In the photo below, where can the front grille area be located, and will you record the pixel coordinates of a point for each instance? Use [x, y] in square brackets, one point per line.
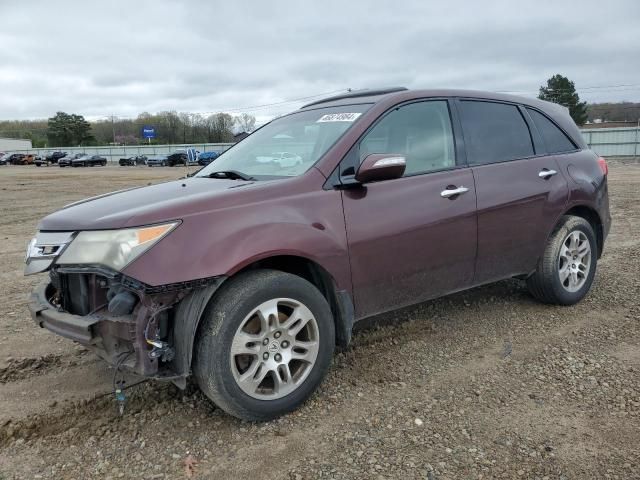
[81, 293]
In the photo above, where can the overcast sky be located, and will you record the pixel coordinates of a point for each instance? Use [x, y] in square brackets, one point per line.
[123, 57]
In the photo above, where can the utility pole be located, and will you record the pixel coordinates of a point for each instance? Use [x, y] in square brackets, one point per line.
[113, 128]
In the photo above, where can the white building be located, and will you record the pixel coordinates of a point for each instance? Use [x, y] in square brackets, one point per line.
[10, 144]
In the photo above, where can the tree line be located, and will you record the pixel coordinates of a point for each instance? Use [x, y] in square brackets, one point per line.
[67, 130]
[614, 112]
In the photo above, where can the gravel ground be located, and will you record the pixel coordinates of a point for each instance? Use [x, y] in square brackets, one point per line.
[482, 384]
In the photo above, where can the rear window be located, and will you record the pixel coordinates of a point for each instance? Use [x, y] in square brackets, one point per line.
[494, 132]
[555, 139]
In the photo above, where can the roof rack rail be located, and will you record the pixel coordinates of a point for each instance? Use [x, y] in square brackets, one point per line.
[357, 93]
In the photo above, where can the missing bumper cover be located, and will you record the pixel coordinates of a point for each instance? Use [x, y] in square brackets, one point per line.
[112, 318]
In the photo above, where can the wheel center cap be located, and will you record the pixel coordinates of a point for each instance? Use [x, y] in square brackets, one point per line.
[274, 347]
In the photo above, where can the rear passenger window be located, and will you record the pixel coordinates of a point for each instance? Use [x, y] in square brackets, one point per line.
[494, 132]
[554, 138]
[419, 131]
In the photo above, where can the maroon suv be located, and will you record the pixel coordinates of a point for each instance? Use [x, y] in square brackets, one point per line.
[249, 273]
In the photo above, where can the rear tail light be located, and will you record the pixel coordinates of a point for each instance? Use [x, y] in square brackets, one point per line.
[603, 166]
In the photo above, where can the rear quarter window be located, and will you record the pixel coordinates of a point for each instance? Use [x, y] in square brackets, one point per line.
[494, 132]
[555, 139]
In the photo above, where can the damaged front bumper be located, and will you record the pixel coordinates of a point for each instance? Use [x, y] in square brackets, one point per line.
[50, 317]
[151, 335]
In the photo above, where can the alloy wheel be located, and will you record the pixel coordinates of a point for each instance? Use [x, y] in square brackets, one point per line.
[574, 261]
[274, 349]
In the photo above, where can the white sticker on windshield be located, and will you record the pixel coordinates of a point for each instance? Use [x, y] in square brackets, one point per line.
[339, 117]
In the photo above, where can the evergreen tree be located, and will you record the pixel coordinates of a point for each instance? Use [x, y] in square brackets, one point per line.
[66, 130]
[561, 90]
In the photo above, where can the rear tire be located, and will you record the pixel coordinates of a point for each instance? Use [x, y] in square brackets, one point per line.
[567, 268]
[257, 365]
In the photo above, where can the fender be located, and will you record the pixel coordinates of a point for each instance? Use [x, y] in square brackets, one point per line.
[246, 246]
[185, 325]
[219, 242]
[189, 312]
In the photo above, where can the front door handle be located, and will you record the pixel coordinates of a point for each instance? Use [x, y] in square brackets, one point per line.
[545, 173]
[451, 192]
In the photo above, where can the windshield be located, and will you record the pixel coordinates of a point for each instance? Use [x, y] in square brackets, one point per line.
[288, 146]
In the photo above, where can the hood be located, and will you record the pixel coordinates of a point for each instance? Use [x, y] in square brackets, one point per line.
[144, 205]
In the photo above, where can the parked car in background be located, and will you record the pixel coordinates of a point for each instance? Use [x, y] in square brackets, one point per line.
[53, 157]
[67, 159]
[39, 160]
[158, 161]
[16, 159]
[284, 159]
[179, 157]
[89, 161]
[3, 160]
[206, 158]
[28, 159]
[248, 274]
[10, 158]
[133, 161]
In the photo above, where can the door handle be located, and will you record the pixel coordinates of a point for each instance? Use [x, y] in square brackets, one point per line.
[453, 192]
[544, 173]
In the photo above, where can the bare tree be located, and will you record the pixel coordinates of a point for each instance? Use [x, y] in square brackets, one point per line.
[245, 122]
[222, 127]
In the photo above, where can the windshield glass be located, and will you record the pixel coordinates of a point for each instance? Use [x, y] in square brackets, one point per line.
[288, 146]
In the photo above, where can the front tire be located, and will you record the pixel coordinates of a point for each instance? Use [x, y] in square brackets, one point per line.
[568, 266]
[264, 344]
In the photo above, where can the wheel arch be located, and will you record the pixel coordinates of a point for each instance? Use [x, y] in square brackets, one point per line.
[591, 216]
[339, 301]
[189, 311]
[587, 212]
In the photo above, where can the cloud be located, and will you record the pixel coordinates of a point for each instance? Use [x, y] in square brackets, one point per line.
[121, 58]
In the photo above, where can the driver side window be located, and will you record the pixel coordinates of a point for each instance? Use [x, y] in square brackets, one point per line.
[420, 131]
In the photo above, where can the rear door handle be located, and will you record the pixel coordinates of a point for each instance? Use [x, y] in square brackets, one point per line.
[545, 173]
[451, 192]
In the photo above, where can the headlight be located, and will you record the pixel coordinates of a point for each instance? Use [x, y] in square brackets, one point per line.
[113, 248]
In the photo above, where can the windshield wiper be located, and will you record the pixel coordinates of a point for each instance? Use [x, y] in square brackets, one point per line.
[232, 174]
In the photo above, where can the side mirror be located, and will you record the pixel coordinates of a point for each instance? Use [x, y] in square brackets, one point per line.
[381, 166]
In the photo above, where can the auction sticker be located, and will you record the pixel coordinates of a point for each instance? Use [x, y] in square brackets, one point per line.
[338, 117]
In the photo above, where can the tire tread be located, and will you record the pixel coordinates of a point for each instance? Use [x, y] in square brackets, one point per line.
[234, 292]
[541, 284]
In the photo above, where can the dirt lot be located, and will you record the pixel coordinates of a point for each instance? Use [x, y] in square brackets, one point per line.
[483, 384]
